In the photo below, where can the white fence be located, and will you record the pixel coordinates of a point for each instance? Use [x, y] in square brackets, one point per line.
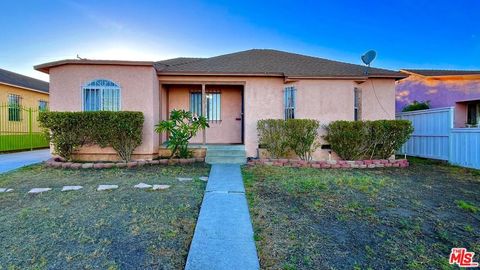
[434, 137]
[465, 147]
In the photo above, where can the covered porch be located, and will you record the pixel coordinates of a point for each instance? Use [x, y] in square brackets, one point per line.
[222, 103]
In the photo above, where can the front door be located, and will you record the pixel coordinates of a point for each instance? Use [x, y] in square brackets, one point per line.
[224, 112]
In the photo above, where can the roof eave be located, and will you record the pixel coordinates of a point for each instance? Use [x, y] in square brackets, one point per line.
[292, 77]
[26, 88]
[446, 76]
[47, 66]
[234, 74]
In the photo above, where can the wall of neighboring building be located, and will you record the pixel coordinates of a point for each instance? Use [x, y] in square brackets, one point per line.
[16, 125]
[139, 92]
[440, 92]
[30, 98]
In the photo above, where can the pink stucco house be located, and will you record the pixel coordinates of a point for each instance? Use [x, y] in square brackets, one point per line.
[443, 88]
[239, 89]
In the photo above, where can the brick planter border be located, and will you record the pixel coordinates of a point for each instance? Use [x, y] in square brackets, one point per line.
[59, 163]
[332, 164]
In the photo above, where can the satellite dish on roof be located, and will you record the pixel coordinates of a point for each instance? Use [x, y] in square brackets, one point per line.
[368, 57]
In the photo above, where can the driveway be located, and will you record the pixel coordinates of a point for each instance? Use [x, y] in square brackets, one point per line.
[9, 162]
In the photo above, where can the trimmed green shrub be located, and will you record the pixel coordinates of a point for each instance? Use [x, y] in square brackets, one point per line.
[124, 133]
[68, 131]
[415, 106]
[302, 137]
[64, 130]
[181, 127]
[272, 135]
[280, 136]
[388, 136]
[367, 139]
[347, 139]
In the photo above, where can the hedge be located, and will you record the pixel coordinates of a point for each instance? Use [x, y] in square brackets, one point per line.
[68, 131]
[272, 136]
[302, 137]
[355, 140]
[280, 136]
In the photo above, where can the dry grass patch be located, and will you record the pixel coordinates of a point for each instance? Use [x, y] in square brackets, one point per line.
[87, 229]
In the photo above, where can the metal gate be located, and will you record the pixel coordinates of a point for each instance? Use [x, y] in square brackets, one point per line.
[19, 128]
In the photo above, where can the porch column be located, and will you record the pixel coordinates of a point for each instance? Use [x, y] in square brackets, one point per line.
[204, 112]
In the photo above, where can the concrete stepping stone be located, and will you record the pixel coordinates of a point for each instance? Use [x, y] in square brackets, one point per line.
[38, 190]
[184, 179]
[71, 188]
[203, 178]
[4, 190]
[106, 187]
[142, 186]
[160, 187]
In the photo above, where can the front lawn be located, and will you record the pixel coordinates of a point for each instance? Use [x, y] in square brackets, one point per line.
[363, 219]
[125, 228]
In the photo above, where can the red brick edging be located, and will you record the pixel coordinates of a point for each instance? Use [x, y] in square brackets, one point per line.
[59, 163]
[332, 164]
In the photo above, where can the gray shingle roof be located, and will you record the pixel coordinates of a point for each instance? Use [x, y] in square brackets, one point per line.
[161, 65]
[270, 62]
[20, 80]
[440, 72]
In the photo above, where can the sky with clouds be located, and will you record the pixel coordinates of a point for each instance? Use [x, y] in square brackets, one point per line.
[405, 33]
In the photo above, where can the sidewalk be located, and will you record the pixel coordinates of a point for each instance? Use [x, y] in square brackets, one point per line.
[223, 236]
[12, 161]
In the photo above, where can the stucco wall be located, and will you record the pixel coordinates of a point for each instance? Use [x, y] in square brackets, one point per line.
[331, 100]
[324, 100]
[139, 92]
[440, 92]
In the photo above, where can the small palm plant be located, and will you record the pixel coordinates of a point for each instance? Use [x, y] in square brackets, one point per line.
[181, 127]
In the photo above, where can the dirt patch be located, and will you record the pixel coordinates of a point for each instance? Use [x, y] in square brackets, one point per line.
[379, 219]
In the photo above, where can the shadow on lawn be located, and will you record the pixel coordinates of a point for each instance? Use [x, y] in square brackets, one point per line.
[124, 228]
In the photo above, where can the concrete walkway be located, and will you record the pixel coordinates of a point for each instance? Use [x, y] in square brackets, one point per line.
[9, 162]
[223, 236]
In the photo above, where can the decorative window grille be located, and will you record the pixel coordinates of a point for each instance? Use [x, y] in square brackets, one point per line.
[289, 102]
[213, 104]
[14, 107]
[42, 105]
[357, 104]
[101, 95]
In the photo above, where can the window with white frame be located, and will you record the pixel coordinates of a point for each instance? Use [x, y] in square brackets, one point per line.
[213, 100]
[357, 104]
[42, 105]
[289, 102]
[101, 95]
[14, 107]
